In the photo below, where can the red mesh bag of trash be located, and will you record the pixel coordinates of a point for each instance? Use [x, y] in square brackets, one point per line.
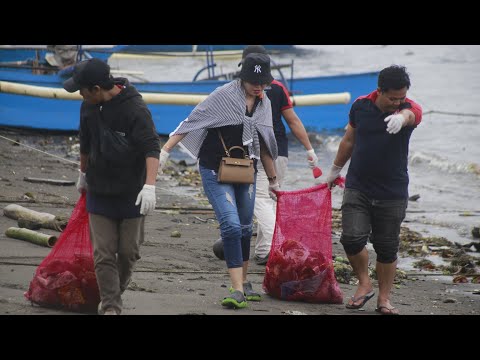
[66, 277]
[300, 266]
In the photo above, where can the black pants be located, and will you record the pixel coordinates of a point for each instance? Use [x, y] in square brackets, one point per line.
[379, 220]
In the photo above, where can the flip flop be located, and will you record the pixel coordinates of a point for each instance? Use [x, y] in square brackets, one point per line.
[387, 311]
[364, 299]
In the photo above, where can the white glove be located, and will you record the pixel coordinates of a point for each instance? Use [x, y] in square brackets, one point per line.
[273, 187]
[312, 158]
[333, 174]
[395, 123]
[82, 182]
[164, 155]
[147, 198]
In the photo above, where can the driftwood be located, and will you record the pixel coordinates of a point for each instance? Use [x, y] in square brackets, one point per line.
[31, 236]
[47, 221]
[49, 181]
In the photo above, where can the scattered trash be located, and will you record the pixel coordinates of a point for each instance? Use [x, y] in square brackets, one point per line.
[293, 312]
[460, 279]
[29, 196]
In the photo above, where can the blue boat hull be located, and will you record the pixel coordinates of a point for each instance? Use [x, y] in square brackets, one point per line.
[55, 114]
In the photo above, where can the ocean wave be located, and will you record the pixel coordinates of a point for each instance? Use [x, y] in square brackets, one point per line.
[437, 162]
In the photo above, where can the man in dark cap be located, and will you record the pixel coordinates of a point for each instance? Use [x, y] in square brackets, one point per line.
[264, 207]
[119, 152]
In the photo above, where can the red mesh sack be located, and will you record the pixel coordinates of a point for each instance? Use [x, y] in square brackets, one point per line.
[300, 264]
[66, 277]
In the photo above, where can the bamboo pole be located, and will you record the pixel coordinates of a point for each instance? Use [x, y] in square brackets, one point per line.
[31, 236]
[221, 54]
[164, 98]
[321, 99]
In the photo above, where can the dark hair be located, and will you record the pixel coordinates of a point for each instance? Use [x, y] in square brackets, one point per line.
[105, 85]
[393, 77]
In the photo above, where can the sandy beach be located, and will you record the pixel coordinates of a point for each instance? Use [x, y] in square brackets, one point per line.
[176, 275]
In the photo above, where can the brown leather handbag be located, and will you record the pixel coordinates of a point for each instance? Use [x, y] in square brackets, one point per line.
[235, 170]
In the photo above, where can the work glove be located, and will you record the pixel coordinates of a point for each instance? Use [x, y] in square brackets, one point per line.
[82, 182]
[312, 159]
[271, 188]
[164, 155]
[147, 199]
[333, 174]
[395, 123]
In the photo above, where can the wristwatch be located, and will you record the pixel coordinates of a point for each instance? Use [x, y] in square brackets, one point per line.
[272, 179]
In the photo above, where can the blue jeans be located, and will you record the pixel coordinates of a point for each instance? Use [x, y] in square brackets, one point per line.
[233, 205]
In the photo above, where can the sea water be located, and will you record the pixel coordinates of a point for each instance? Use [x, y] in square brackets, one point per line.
[444, 159]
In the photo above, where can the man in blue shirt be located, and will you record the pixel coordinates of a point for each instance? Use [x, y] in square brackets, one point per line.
[376, 189]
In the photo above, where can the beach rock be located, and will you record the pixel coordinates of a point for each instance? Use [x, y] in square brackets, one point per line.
[414, 197]
[476, 232]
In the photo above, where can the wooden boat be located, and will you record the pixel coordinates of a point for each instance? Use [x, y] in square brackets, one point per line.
[12, 53]
[37, 112]
[24, 110]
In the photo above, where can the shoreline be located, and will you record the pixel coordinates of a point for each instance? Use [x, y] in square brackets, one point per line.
[178, 275]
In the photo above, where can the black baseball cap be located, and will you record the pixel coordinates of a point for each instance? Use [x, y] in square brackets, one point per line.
[250, 49]
[256, 69]
[88, 73]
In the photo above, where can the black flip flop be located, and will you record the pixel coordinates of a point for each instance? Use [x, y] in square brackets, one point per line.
[390, 312]
[364, 299]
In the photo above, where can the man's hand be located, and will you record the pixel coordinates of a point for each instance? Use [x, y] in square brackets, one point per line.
[333, 174]
[271, 188]
[82, 182]
[164, 155]
[312, 158]
[147, 199]
[395, 123]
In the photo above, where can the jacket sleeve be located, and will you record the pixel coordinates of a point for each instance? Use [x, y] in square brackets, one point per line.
[84, 132]
[144, 135]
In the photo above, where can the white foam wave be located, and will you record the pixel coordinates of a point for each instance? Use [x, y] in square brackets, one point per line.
[438, 162]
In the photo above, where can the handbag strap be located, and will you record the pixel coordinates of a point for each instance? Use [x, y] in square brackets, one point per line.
[227, 151]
